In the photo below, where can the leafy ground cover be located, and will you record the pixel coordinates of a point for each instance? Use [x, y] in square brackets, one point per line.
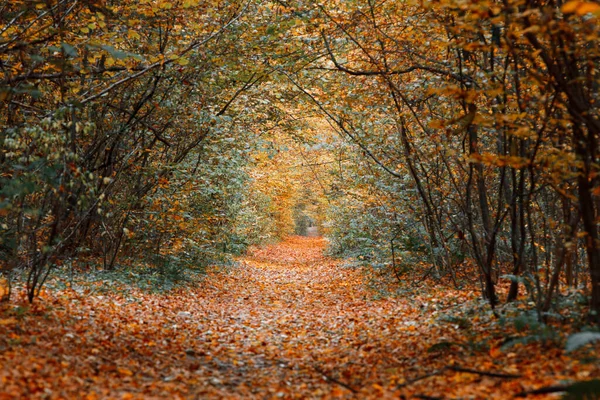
[286, 322]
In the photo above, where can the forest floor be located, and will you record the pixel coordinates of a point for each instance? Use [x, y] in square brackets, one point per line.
[286, 322]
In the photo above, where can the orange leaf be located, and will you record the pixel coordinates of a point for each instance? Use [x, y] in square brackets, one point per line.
[495, 352]
[570, 7]
[588, 7]
[8, 321]
[125, 371]
[580, 7]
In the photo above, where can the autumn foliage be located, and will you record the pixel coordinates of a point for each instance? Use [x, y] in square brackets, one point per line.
[286, 322]
[447, 151]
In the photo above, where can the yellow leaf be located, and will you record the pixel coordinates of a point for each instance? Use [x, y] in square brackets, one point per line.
[463, 377]
[190, 3]
[4, 94]
[3, 286]
[436, 124]
[133, 35]
[91, 396]
[182, 61]
[8, 321]
[580, 7]
[125, 371]
[531, 29]
[588, 7]
[570, 7]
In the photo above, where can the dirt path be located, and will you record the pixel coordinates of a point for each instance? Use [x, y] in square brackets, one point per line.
[287, 322]
[302, 319]
[294, 324]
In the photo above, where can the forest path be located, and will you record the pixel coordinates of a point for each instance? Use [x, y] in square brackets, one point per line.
[286, 322]
[300, 325]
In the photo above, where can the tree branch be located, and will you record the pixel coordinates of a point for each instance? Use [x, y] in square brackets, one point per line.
[416, 67]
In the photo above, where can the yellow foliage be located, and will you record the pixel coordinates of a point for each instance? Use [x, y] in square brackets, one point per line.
[580, 7]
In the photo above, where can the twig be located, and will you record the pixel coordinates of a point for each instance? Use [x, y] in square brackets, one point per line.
[459, 369]
[581, 389]
[420, 378]
[172, 58]
[484, 373]
[332, 379]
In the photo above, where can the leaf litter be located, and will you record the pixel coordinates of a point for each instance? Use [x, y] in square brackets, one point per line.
[286, 322]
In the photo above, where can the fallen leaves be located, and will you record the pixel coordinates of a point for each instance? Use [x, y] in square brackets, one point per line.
[580, 7]
[287, 322]
[4, 289]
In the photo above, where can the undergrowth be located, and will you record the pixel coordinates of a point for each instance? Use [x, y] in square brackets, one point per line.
[158, 274]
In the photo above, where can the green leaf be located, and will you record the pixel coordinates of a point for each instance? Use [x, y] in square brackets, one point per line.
[114, 53]
[444, 345]
[118, 54]
[68, 49]
[513, 278]
[37, 57]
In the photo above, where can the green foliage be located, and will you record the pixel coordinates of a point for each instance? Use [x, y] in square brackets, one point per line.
[461, 322]
[532, 330]
[445, 345]
[115, 143]
[253, 225]
[358, 231]
[163, 275]
[169, 272]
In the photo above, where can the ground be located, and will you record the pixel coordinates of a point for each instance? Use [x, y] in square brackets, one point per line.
[285, 322]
